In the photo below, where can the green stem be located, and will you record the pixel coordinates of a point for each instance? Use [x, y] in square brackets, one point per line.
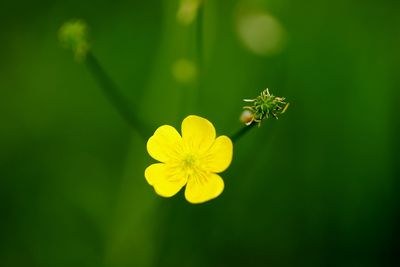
[115, 97]
[236, 136]
[199, 36]
[191, 95]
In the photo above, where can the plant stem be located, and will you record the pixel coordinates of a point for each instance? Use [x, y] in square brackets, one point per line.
[236, 136]
[124, 107]
[199, 36]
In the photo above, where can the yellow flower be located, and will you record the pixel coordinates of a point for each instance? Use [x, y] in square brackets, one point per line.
[193, 159]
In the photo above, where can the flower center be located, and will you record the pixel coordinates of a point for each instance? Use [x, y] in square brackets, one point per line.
[189, 161]
[191, 164]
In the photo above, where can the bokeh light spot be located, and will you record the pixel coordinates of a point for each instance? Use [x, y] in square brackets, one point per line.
[261, 33]
[184, 70]
[187, 11]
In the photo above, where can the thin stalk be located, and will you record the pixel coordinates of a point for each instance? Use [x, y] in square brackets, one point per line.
[199, 36]
[124, 107]
[199, 58]
[241, 132]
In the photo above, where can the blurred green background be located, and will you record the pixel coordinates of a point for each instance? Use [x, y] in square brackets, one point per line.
[319, 187]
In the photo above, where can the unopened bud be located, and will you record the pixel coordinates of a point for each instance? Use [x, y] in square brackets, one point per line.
[263, 107]
[247, 117]
[74, 35]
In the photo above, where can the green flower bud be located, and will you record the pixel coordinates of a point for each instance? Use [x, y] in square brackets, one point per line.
[74, 35]
[263, 107]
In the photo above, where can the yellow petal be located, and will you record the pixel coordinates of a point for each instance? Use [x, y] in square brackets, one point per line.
[198, 133]
[165, 144]
[167, 181]
[219, 156]
[203, 187]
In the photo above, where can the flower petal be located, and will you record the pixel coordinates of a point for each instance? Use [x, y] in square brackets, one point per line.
[197, 133]
[219, 156]
[204, 187]
[165, 144]
[166, 181]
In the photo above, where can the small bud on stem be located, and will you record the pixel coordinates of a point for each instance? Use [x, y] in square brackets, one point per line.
[74, 35]
[263, 107]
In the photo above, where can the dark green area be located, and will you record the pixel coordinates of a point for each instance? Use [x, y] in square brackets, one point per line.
[318, 187]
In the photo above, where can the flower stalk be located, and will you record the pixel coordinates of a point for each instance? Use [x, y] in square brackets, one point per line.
[199, 35]
[124, 107]
[73, 35]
